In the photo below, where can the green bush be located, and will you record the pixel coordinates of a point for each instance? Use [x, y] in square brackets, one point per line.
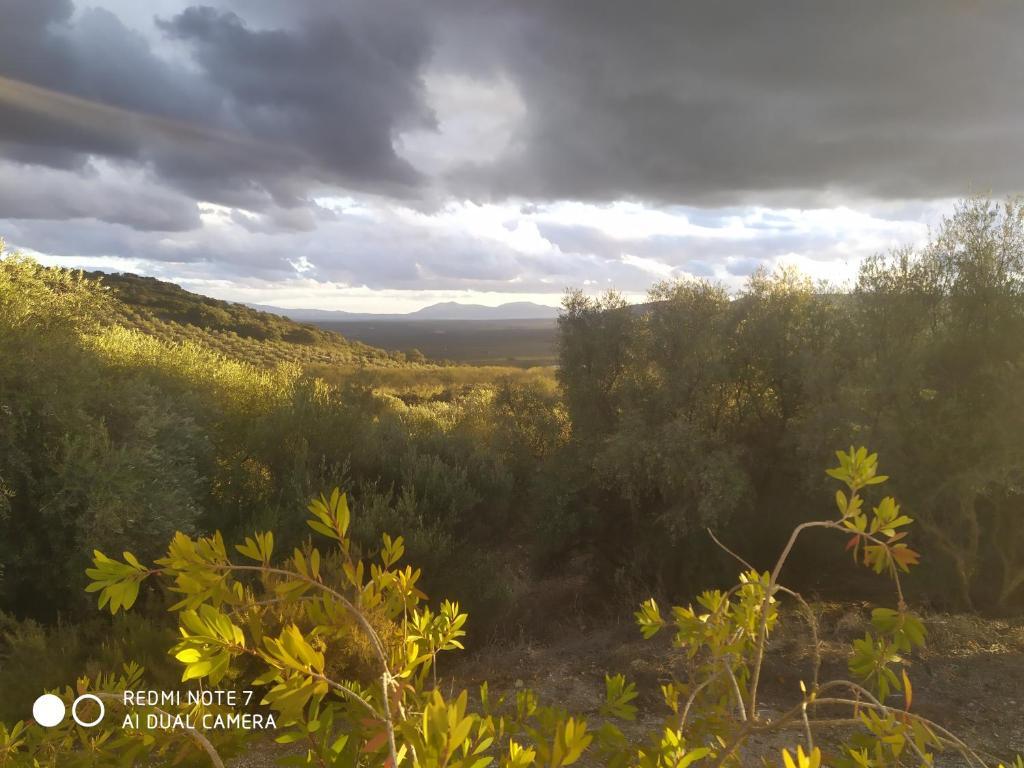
[700, 408]
[294, 614]
[115, 438]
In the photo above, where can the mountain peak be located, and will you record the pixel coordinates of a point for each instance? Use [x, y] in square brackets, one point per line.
[515, 310]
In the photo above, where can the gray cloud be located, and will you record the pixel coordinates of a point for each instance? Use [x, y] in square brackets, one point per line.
[85, 85]
[109, 193]
[257, 117]
[338, 88]
[709, 103]
[719, 103]
[117, 121]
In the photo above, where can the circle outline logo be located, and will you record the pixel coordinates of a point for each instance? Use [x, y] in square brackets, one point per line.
[90, 697]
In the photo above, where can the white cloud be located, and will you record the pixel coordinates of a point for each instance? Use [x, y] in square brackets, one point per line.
[373, 254]
[477, 120]
[654, 267]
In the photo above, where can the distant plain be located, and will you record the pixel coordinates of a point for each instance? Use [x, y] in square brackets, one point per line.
[520, 343]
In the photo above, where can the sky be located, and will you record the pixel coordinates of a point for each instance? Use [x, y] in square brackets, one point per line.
[382, 155]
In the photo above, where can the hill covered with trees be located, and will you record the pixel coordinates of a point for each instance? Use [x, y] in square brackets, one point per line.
[167, 311]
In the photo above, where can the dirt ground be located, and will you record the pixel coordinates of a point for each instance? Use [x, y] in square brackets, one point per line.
[969, 678]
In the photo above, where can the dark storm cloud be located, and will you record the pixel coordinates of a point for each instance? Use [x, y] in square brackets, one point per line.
[259, 117]
[73, 87]
[339, 87]
[721, 102]
[697, 103]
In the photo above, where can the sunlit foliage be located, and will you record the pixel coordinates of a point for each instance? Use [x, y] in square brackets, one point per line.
[274, 622]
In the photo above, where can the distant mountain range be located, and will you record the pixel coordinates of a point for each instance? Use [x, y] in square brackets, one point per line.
[447, 310]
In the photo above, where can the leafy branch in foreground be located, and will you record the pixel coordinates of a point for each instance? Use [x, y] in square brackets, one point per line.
[726, 638]
[279, 624]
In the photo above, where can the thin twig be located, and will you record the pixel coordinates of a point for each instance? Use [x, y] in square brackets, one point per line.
[807, 727]
[728, 551]
[693, 695]
[762, 637]
[262, 603]
[347, 692]
[385, 684]
[735, 688]
[773, 587]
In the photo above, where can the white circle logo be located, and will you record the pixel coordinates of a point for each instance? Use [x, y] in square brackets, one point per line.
[48, 710]
[88, 697]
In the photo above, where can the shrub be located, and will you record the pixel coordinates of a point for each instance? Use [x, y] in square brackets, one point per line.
[278, 623]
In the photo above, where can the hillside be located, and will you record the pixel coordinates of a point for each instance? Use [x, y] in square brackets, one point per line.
[268, 338]
[169, 312]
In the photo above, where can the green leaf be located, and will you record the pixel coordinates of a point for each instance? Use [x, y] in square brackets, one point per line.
[196, 670]
[319, 527]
